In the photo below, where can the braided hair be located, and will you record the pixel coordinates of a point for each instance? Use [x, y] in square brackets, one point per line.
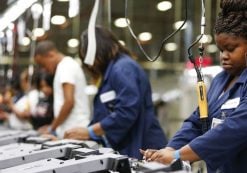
[233, 18]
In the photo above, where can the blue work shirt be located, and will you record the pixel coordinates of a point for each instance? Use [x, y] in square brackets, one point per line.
[223, 148]
[124, 108]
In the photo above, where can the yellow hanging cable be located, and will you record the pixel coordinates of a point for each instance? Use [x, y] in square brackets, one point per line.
[98, 82]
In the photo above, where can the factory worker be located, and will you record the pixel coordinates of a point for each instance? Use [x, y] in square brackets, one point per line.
[123, 112]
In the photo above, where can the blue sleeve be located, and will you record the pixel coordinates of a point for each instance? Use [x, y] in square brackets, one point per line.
[225, 140]
[124, 81]
[190, 129]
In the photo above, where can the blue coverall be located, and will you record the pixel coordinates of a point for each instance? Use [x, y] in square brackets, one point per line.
[223, 148]
[128, 119]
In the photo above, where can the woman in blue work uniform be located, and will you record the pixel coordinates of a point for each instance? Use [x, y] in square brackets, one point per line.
[224, 146]
[123, 110]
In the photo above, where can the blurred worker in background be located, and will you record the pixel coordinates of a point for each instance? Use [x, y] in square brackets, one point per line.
[28, 107]
[123, 112]
[22, 102]
[43, 113]
[71, 106]
[224, 146]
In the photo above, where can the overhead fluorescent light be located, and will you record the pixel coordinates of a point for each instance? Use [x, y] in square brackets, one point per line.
[38, 32]
[58, 20]
[25, 41]
[178, 24]
[73, 43]
[164, 6]
[121, 22]
[74, 6]
[14, 11]
[145, 36]
[206, 39]
[171, 47]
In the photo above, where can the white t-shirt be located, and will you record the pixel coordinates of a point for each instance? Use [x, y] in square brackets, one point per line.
[27, 101]
[69, 71]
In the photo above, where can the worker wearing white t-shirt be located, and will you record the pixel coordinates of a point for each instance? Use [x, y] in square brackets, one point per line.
[71, 106]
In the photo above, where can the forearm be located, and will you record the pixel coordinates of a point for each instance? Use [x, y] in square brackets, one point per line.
[63, 115]
[168, 154]
[187, 154]
[20, 114]
[97, 129]
[81, 133]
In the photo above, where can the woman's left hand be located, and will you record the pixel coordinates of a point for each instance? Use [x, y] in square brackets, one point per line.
[79, 133]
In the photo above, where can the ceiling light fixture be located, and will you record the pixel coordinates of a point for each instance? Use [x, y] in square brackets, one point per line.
[121, 22]
[38, 32]
[145, 36]
[58, 20]
[205, 39]
[178, 24]
[36, 10]
[164, 5]
[171, 47]
[74, 6]
[25, 41]
[73, 43]
[14, 11]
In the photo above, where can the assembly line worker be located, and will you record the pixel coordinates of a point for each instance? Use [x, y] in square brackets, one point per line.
[71, 106]
[123, 109]
[224, 147]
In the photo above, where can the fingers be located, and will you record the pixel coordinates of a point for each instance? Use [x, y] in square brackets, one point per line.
[142, 151]
[147, 154]
[155, 156]
[67, 135]
[51, 137]
[74, 133]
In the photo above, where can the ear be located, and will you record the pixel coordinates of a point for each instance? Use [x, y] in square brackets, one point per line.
[50, 54]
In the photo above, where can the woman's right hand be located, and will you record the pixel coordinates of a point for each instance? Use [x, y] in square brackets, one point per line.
[79, 133]
[163, 155]
[147, 154]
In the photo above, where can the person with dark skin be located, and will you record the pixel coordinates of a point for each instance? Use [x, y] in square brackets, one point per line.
[224, 146]
[123, 116]
[71, 105]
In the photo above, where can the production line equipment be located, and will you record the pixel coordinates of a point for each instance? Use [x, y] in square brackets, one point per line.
[84, 160]
[27, 152]
[33, 150]
[8, 136]
[37, 155]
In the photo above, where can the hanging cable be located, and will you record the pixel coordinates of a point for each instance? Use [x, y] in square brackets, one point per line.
[201, 87]
[163, 41]
[109, 19]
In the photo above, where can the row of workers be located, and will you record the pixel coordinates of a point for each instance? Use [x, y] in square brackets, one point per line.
[123, 114]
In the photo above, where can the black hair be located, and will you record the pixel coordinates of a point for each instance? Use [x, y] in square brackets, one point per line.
[108, 48]
[233, 18]
[44, 47]
[48, 78]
